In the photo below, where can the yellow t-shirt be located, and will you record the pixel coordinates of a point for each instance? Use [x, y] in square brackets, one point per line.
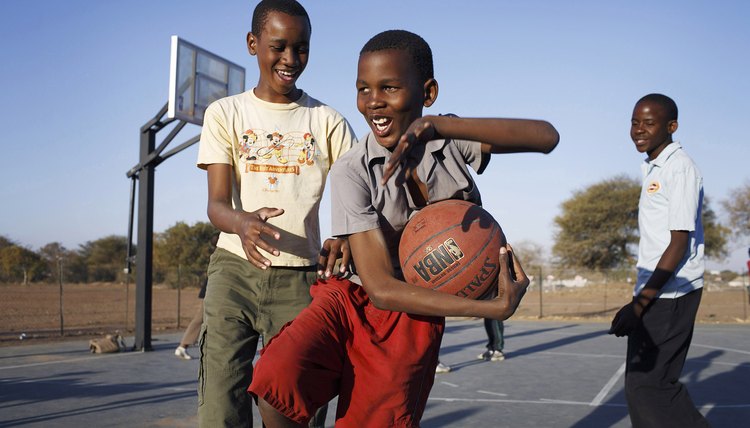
[281, 155]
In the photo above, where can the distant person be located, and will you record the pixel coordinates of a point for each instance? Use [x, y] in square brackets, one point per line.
[495, 341]
[372, 339]
[442, 368]
[191, 332]
[659, 321]
[267, 152]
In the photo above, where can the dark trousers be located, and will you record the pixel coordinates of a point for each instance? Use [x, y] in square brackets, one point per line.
[495, 334]
[657, 349]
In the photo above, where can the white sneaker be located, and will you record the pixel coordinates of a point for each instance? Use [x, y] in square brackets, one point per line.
[491, 355]
[486, 355]
[442, 368]
[181, 352]
[497, 356]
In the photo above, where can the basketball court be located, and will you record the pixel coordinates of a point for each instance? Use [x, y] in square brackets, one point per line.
[557, 374]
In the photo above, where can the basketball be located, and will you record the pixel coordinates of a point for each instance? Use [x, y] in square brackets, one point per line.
[452, 246]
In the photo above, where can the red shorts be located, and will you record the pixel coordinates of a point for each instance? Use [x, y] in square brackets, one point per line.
[381, 364]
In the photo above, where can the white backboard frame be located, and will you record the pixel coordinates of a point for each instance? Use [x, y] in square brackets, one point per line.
[198, 77]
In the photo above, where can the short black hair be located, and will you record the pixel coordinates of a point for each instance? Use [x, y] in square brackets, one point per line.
[668, 104]
[265, 7]
[412, 44]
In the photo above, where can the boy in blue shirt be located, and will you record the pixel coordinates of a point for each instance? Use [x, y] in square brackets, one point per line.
[659, 321]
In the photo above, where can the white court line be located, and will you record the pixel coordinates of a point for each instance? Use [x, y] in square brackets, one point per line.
[69, 360]
[548, 401]
[499, 394]
[608, 386]
[449, 384]
[573, 354]
[576, 403]
[739, 351]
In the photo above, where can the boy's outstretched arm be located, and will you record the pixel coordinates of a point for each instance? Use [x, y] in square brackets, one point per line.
[248, 225]
[386, 292]
[497, 135]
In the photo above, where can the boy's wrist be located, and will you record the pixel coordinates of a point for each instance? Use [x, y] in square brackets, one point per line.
[657, 280]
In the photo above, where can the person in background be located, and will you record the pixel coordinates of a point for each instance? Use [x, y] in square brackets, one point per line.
[659, 320]
[495, 341]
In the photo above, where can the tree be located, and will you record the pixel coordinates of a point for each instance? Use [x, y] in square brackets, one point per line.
[530, 254]
[186, 248]
[104, 258]
[715, 234]
[737, 205]
[19, 264]
[599, 225]
[56, 256]
[5, 242]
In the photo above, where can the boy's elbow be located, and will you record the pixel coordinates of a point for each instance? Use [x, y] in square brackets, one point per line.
[551, 138]
[379, 299]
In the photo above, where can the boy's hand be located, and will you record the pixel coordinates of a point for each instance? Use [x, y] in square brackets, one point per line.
[419, 132]
[628, 317]
[511, 283]
[334, 249]
[253, 226]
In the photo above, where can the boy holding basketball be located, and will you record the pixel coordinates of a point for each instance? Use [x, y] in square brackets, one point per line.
[373, 339]
[267, 153]
[659, 320]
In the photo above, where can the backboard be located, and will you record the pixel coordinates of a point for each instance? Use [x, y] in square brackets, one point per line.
[196, 78]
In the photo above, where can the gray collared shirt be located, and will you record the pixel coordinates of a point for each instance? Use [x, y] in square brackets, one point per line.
[360, 203]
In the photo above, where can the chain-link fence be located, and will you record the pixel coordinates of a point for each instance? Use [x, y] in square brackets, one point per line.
[50, 311]
[575, 293]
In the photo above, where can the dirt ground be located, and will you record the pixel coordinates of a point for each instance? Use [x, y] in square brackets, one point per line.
[31, 314]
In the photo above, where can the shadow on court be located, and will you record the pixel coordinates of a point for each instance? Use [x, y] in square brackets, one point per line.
[556, 374]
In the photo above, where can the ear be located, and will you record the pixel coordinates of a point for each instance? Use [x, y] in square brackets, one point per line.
[252, 43]
[672, 126]
[430, 92]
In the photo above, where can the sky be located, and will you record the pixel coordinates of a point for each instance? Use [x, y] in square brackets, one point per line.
[80, 77]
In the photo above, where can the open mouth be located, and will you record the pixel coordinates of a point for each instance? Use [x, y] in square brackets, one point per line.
[381, 125]
[287, 76]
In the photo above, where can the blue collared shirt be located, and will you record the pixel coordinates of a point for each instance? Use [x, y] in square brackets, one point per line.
[671, 199]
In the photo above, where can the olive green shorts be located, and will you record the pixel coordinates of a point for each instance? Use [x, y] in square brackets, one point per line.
[242, 305]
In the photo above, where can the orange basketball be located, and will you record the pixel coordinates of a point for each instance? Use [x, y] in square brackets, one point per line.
[452, 246]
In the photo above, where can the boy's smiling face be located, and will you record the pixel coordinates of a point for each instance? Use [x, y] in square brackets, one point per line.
[390, 94]
[650, 129]
[282, 49]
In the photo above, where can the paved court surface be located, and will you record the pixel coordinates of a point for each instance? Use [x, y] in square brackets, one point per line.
[557, 374]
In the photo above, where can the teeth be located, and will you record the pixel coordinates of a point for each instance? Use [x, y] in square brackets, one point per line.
[381, 123]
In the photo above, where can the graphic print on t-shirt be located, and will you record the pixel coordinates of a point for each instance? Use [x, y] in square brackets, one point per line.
[275, 153]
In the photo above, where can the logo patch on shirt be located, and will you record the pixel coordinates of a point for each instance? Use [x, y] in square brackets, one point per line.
[653, 187]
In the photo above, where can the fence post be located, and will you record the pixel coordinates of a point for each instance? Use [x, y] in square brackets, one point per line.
[60, 281]
[541, 286]
[127, 297]
[747, 295]
[606, 280]
[179, 292]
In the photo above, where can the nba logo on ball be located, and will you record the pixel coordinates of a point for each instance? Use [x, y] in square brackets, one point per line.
[438, 261]
[452, 246]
